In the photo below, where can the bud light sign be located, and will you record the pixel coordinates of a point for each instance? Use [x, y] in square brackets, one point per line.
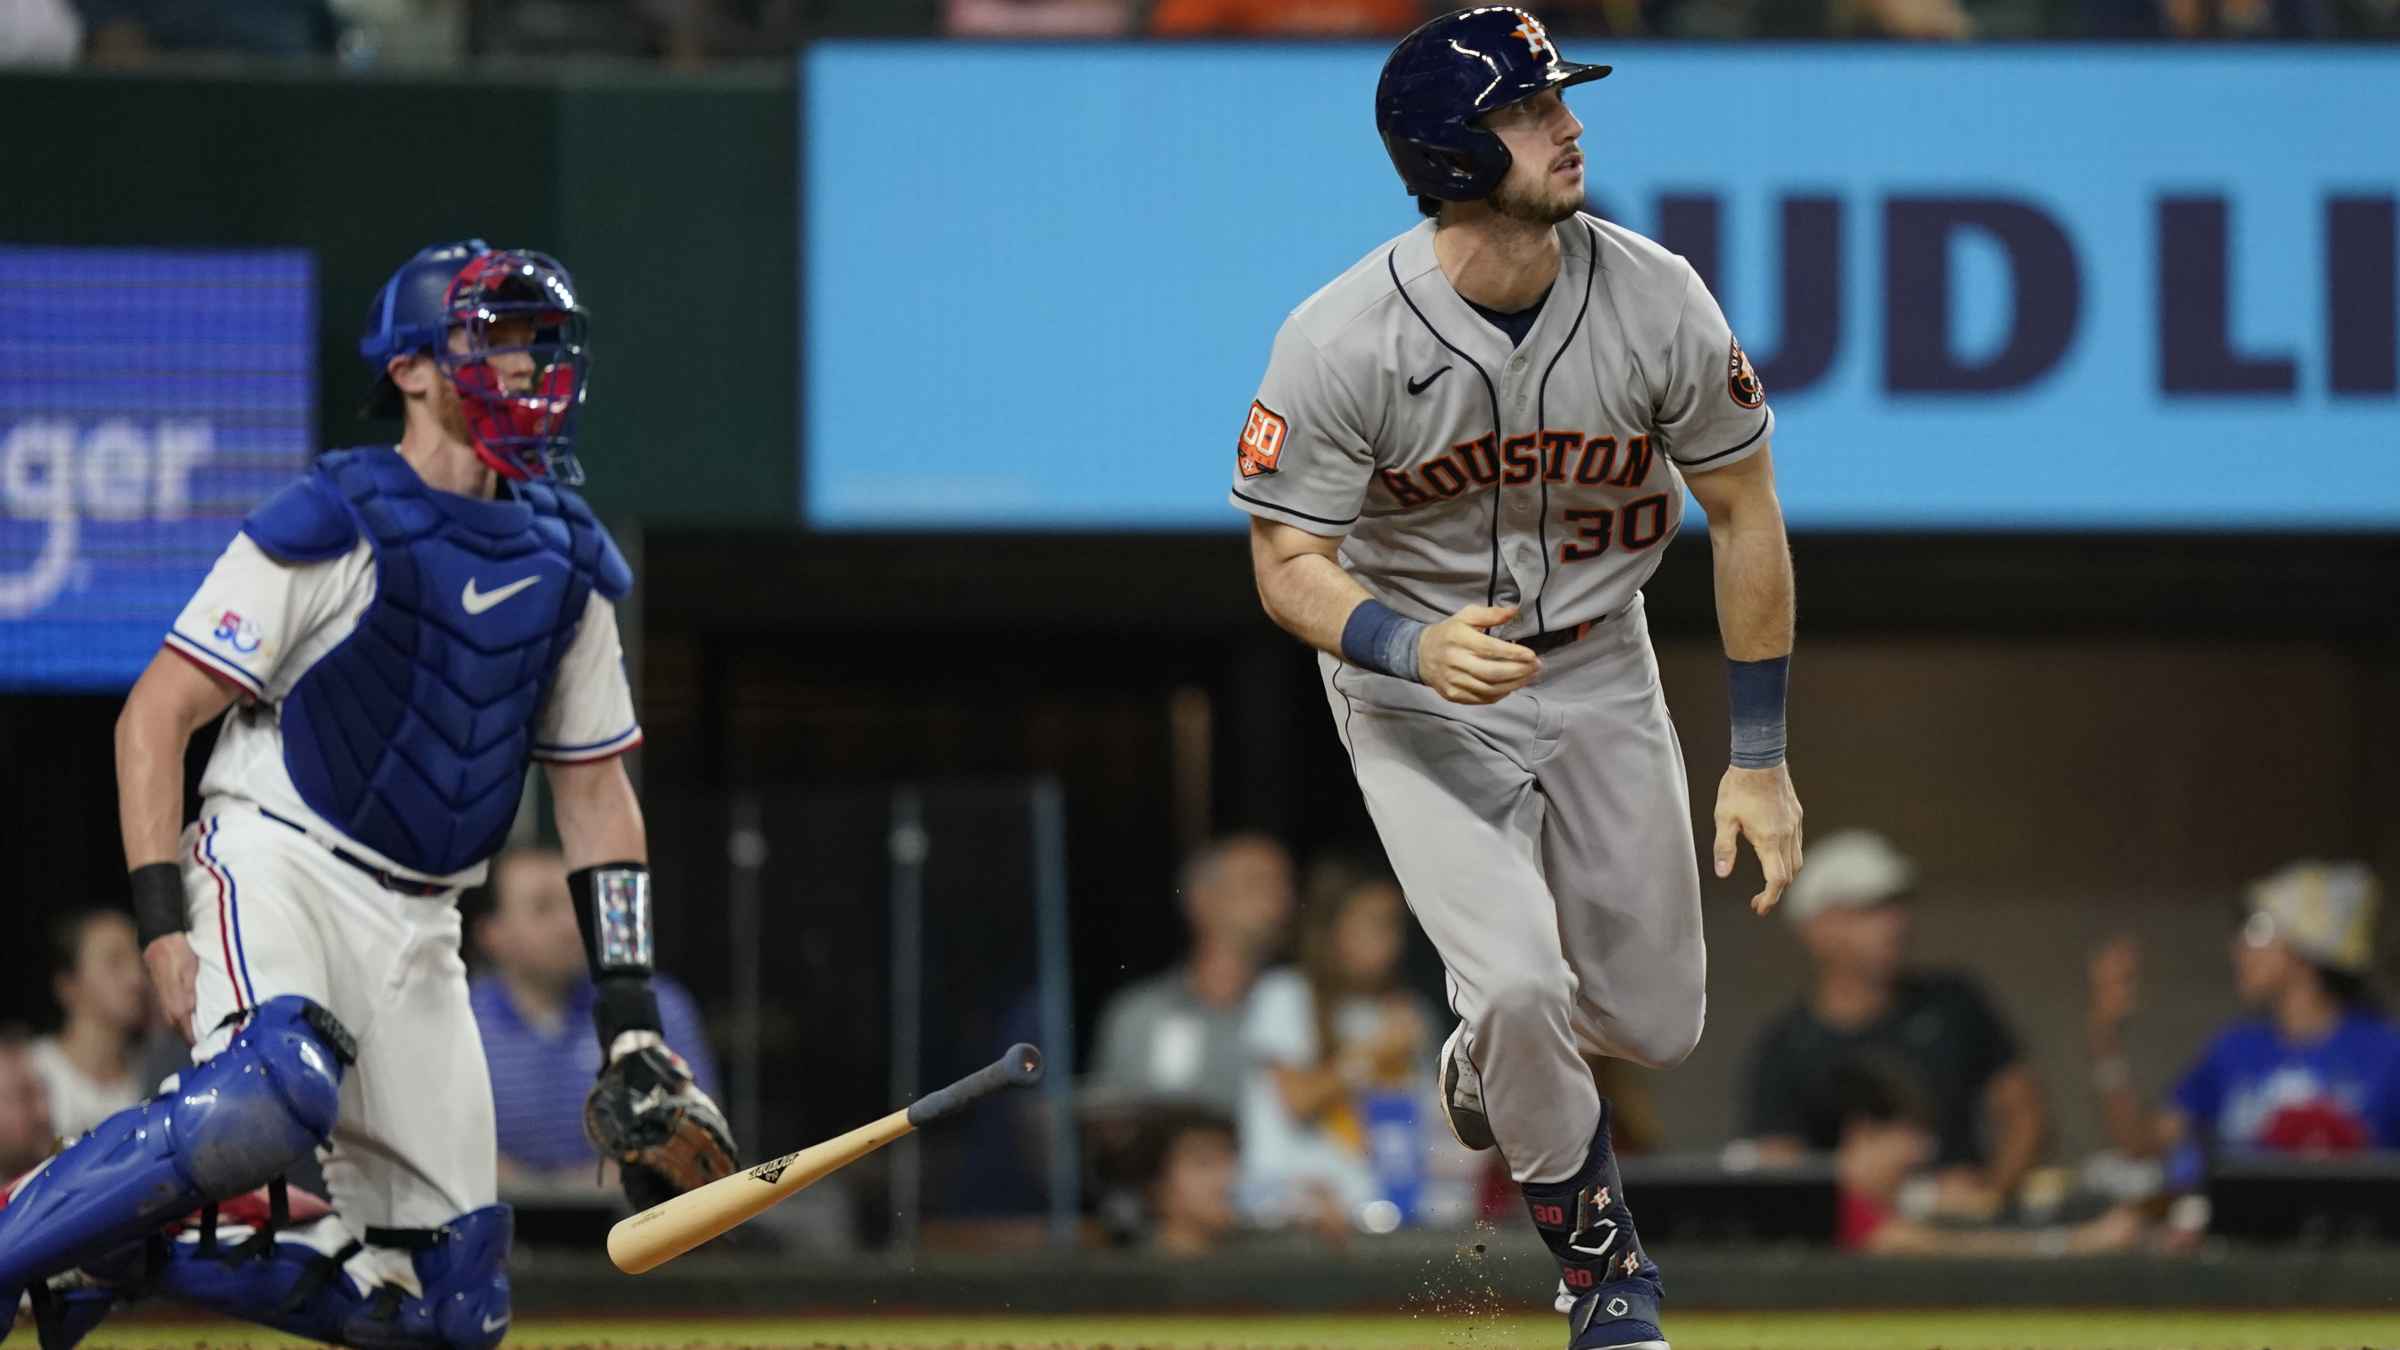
[148, 399]
[2012, 287]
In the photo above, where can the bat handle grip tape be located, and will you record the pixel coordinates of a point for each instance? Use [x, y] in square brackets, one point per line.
[1020, 1067]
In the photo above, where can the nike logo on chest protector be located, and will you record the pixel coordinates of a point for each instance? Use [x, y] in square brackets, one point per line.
[476, 602]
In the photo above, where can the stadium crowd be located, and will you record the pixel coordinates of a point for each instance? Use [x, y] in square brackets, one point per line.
[698, 33]
[1283, 1095]
[1273, 1078]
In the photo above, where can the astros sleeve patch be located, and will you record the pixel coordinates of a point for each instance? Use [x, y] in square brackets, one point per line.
[1261, 446]
[1741, 381]
[1712, 407]
[1307, 465]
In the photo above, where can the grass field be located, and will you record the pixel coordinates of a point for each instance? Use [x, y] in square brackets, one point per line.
[1695, 1331]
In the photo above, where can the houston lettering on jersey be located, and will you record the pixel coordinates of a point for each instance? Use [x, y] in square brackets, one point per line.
[1559, 457]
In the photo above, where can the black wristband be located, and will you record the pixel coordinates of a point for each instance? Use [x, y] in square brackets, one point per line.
[626, 1003]
[157, 902]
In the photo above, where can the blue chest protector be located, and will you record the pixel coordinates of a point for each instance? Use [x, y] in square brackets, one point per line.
[413, 736]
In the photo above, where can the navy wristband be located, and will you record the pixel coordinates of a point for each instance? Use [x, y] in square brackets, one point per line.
[1756, 690]
[1381, 639]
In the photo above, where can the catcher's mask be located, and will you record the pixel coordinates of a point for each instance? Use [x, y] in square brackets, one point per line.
[467, 285]
[527, 431]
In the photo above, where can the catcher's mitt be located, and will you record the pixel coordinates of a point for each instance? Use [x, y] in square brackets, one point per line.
[662, 1130]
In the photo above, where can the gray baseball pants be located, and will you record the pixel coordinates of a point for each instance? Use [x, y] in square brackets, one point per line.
[1545, 845]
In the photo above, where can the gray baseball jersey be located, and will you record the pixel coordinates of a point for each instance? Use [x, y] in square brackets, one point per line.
[1461, 471]
[1544, 841]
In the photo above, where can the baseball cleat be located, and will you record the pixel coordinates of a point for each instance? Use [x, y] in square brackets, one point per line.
[1461, 1092]
[1605, 1321]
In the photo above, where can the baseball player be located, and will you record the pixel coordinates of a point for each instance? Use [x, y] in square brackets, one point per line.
[397, 635]
[1465, 458]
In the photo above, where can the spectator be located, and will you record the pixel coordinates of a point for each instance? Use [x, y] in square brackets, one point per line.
[1191, 1178]
[1936, 1033]
[39, 33]
[1286, 18]
[2317, 1070]
[1604, 18]
[404, 34]
[1909, 20]
[27, 1134]
[2210, 18]
[534, 1008]
[1179, 1034]
[1885, 1142]
[1036, 18]
[127, 32]
[91, 1067]
[1325, 1039]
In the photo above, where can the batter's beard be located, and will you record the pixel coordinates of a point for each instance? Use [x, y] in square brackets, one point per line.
[1533, 209]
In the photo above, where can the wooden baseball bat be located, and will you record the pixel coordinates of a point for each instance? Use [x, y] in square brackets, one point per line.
[663, 1232]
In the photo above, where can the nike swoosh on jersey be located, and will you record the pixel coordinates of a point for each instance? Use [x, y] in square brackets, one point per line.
[1419, 386]
[476, 602]
[494, 1324]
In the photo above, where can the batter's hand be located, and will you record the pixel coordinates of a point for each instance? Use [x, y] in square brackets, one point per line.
[1458, 659]
[1760, 803]
[175, 974]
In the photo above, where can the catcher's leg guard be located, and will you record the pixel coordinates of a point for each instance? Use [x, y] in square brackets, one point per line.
[463, 1267]
[297, 1285]
[231, 1125]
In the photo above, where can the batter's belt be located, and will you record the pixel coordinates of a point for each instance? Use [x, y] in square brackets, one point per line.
[1542, 644]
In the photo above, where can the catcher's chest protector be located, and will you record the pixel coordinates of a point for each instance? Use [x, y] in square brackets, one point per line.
[413, 735]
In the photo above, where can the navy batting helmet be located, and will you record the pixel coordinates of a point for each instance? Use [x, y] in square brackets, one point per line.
[1452, 71]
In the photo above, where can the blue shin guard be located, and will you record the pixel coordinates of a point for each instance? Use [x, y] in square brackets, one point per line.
[231, 1125]
[298, 1286]
[1587, 1225]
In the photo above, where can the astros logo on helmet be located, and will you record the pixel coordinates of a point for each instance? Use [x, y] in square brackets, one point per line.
[1449, 73]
